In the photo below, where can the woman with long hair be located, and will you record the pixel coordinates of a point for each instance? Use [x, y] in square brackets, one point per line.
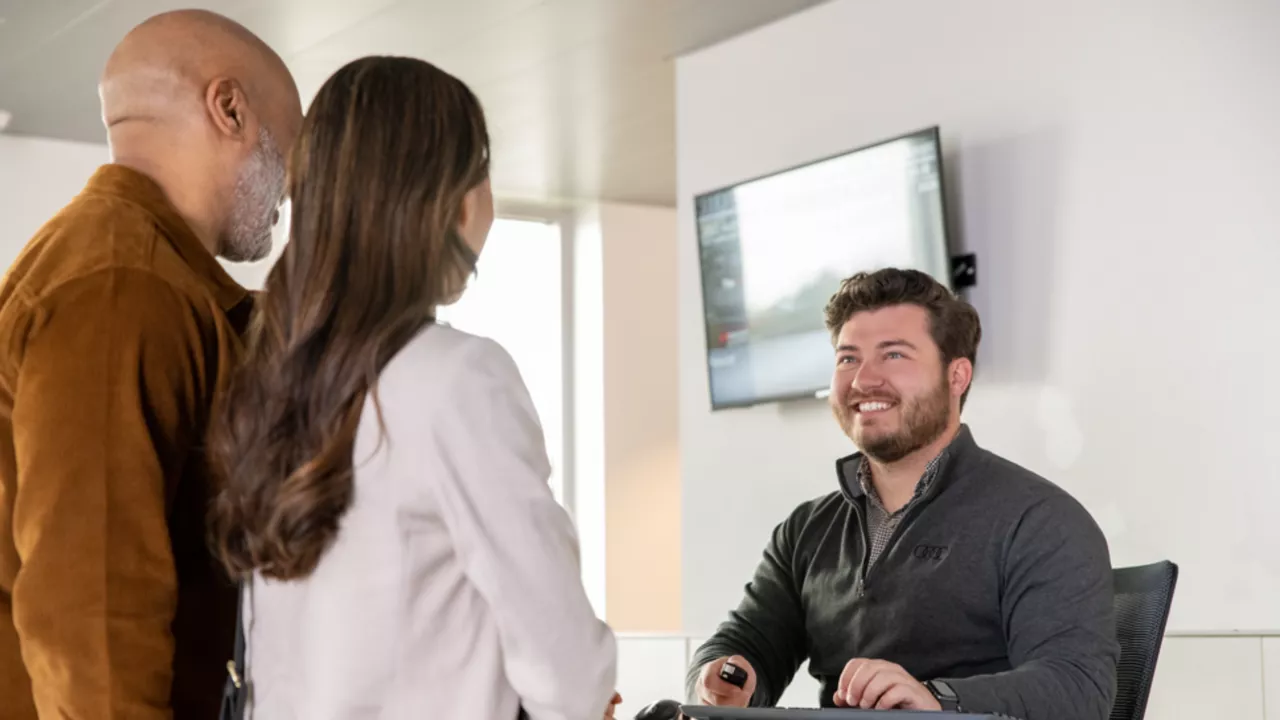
[386, 496]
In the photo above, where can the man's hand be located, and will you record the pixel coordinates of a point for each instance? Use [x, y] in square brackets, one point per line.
[613, 704]
[881, 685]
[714, 691]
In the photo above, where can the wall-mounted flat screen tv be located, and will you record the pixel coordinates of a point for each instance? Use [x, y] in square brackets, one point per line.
[775, 248]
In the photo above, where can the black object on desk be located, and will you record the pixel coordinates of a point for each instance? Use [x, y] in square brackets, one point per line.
[661, 710]
[698, 712]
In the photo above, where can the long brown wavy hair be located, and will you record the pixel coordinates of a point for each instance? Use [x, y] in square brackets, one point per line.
[388, 151]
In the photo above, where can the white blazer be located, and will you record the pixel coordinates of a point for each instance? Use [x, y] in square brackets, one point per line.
[452, 591]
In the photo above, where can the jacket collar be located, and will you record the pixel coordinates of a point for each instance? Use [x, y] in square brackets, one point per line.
[128, 185]
[962, 446]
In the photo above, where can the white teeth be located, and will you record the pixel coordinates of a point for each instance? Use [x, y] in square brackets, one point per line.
[873, 406]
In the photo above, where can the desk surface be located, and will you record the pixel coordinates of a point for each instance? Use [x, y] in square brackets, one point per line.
[702, 712]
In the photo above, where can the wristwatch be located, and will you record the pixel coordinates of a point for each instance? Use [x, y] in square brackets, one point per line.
[945, 696]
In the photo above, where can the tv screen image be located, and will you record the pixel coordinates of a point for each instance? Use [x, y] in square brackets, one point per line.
[774, 249]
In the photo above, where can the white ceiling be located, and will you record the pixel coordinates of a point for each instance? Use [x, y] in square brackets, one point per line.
[580, 93]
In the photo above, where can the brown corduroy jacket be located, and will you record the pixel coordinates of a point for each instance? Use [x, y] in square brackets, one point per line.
[117, 330]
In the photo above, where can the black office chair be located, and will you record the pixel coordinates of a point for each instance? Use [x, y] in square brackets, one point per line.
[1143, 597]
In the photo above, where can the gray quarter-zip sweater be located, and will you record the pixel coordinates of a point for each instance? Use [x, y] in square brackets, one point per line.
[996, 581]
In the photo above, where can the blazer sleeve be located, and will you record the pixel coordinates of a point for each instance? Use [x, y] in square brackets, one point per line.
[518, 545]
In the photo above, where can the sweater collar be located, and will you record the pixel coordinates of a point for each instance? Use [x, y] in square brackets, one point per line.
[848, 467]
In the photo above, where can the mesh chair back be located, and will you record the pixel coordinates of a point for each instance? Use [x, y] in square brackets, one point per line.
[1143, 597]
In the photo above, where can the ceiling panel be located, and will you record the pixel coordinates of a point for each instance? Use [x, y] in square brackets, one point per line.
[28, 25]
[580, 93]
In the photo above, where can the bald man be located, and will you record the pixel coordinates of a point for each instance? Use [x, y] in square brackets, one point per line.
[118, 328]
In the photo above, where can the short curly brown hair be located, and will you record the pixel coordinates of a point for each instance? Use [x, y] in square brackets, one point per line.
[953, 322]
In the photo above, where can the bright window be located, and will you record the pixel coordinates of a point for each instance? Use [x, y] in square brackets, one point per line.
[517, 299]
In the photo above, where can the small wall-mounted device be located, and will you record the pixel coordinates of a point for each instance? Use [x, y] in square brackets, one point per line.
[964, 271]
[5, 117]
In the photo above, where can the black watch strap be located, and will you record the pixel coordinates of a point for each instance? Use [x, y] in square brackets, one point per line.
[945, 695]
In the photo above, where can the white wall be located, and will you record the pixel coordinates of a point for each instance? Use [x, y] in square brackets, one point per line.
[627, 475]
[1116, 167]
[38, 178]
[642, 458]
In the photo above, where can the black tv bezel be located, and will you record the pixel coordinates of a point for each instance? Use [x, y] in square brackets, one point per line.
[816, 393]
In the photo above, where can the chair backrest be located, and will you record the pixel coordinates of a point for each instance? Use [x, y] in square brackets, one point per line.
[1142, 600]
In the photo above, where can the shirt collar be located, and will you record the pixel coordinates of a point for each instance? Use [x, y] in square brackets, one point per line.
[853, 472]
[922, 486]
[129, 185]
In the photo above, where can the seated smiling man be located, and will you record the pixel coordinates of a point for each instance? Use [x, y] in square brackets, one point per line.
[939, 575]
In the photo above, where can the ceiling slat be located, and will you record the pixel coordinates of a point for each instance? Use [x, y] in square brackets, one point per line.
[580, 93]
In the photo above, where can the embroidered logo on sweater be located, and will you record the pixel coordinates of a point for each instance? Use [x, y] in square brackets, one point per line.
[930, 552]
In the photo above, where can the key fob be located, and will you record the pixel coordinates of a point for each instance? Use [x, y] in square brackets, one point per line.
[733, 675]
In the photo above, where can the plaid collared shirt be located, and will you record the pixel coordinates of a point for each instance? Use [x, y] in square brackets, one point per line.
[881, 523]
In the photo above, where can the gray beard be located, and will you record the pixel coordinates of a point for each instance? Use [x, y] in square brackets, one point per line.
[259, 187]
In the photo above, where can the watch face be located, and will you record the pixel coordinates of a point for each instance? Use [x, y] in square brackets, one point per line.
[942, 691]
[946, 697]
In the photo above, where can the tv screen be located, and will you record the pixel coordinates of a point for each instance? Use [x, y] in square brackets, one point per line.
[774, 249]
